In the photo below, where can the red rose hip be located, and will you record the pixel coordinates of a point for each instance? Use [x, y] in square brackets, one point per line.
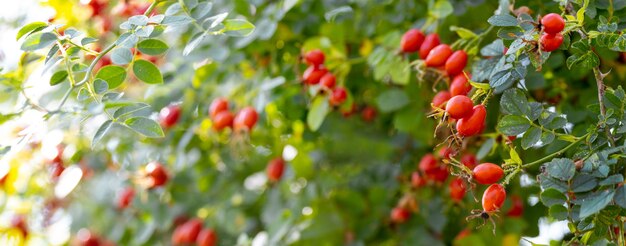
[207, 237]
[400, 215]
[218, 105]
[456, 63]
[438, 55]
[411, 41]
[552, 23]
[469, 160]
[275, 169]
[328, 81]
[314, 57]
[487, 173]
[460, 85]
[223, 120]
[459, 107]
[245, 119]
[430, 42]
[157, 174]
[457, 189]
[473, 124]
[493, 198]
[338, 96]
[169, 115]
[551, 42]
[313, 74]
[440, 99]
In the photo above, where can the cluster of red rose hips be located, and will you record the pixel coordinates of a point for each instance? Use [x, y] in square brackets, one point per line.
[56, 166]
[219, 112]
[191, 231]
[316, 74]
[552, 24]
[222, 118]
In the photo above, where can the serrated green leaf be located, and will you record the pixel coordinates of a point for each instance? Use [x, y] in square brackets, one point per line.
[514, 102]
[551, 197]
[620, 196]
[147, 72]
[502, 20]
[561, 168]
[596, 202]
[531, 137]
[145, 127]
[558, 212]
[513, 125]
[583, 183]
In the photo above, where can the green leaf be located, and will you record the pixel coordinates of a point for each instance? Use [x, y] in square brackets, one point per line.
[620, 196]
[100, 86]
[463, 33]
[121, 56]
[561, 168]
[514, 101]
[104, 128]
[392, 100]
[580, 15]
[147, 72]
[583, 183]
[558, 212]
[30, 27]
[58, 77]
[38, 41]
[113, 75]
[513, 125]
[502, 20]
[441, 9]
[551, 197]
[152, 47]
[400, 70]
[596, 202]
[612, 180]
[202, 10]
[549, 182]
[531, 137]
[238, 27]
[317, 113]
[129, 109]
[145, 126]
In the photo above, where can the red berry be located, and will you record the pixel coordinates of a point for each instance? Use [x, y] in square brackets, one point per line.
[440, 99]
[445, 152]
[207, 237]
[313, 74]
[456, 63]
[551, 42]
[517, 207]
[487, 173]
[511, 138]
[493, 198]
[400, 215]
[411, 41]
[275, 169]
[245, 119]
[459, 107]
[347, 113]
[187, 232]
[428, 164]
[328, 80]
[125, 197]
[469, 160]
[218, 105]
[552, 23]
[157, 173]
[368, 114]
[439, 175]
[169, 115]
[338, 96]
[98, 7]
[460, 85]
[438, 55]
[223, 120]
[457, 189]
[314, 57]
[473, 124]
[417, 180]
[430, 42]
[85, 238]
[56, 169]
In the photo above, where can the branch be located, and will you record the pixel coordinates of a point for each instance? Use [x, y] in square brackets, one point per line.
[560, 152]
